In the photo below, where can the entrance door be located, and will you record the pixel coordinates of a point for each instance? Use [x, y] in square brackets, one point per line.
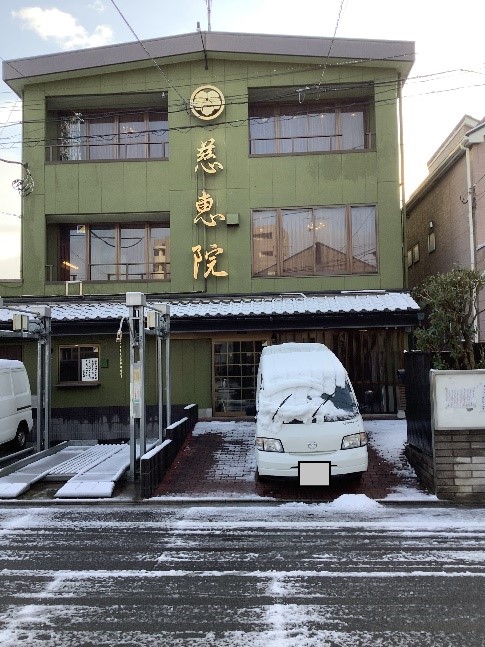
[235, 365]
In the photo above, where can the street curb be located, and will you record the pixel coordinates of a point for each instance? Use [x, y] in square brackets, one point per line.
[214, 501]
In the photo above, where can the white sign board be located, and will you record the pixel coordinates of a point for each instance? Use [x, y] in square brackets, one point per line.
[458, 399]
[89, 369]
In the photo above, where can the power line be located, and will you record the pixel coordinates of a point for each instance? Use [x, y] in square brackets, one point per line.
[333, 40]
[184, 101]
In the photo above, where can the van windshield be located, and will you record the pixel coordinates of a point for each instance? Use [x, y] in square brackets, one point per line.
[342, 398]
[300, 405]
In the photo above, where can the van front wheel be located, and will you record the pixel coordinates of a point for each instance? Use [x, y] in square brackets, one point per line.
[21, 437]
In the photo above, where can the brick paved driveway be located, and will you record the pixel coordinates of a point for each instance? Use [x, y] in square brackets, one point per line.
[217, 460]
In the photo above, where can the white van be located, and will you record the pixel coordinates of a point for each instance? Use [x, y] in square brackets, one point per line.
[15, 403]
[308, 423]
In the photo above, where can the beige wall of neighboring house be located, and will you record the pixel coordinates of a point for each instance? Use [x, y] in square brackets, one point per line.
[438, 213]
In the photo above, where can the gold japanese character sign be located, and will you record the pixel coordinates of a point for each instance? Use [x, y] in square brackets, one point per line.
[206, 161]
[203, 205]
[205, 155]
[211, 260]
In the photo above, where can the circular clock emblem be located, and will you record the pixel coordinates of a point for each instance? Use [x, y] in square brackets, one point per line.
[207, 102]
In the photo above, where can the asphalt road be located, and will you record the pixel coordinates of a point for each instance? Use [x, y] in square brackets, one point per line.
[295, 576]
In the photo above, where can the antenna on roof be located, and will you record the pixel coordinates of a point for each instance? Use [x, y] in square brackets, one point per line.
[203, 45]
[208, 4]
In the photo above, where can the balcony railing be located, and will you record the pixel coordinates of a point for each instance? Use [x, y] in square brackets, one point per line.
[112, 272]
[108, 152]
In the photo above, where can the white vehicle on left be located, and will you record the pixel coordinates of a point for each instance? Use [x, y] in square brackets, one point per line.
[15, 403]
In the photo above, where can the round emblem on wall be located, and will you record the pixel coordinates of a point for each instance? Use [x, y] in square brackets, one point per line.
[207, 102]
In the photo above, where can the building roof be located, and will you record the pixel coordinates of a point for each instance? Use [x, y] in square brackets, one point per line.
[246, 308]
[468, 131]
[397, 54]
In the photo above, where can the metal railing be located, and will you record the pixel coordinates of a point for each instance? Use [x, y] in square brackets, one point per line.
[80, 152]
[114, 272]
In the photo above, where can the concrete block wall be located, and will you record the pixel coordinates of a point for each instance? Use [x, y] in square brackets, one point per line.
[459, 465]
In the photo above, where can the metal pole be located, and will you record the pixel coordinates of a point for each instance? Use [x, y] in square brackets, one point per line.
[159, 378]
[40, 399]
[167, 371]
[47, 381]
[141, 348]
[131, 473]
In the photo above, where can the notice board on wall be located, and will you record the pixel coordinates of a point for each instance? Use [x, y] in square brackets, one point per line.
[458, 399]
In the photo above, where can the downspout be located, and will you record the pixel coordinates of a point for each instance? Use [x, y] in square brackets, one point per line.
[401, 178]
[465, 145]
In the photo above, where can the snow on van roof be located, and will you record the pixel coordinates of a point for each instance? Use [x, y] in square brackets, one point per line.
[293, 365]
[10, 363]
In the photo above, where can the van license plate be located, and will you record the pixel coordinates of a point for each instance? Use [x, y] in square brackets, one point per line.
[314, 472]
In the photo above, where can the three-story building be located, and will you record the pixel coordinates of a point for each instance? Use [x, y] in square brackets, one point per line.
[251, 181]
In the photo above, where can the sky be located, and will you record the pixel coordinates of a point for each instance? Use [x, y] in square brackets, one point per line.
[447, 80]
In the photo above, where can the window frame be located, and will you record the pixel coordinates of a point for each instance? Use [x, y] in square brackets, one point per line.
[277, 112]
[80, 381]
[279, 244]
[151, 263]
[84, 149]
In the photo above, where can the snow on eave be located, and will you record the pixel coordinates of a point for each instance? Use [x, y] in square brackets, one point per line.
[327, 304]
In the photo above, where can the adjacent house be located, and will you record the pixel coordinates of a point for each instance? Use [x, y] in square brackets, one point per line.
[249, 181]
[446, 214]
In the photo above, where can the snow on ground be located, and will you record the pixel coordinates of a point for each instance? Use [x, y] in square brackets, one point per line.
[236, 457]
[388, 438]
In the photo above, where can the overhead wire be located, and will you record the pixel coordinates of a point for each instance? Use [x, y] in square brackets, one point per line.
[184, 101]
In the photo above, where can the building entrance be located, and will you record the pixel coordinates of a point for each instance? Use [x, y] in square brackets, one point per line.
[235, 367]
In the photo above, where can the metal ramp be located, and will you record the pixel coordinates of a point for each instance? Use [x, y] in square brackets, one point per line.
[90, 471]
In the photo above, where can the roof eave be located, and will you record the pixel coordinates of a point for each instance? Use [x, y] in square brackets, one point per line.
[397, 54]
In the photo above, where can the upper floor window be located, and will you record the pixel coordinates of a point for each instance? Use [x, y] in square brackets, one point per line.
[113, 251]
[309, 124]
[110, 127]
[314, 242]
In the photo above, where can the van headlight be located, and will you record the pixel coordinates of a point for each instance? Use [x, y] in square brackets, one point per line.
[354, 440]
[269, 445]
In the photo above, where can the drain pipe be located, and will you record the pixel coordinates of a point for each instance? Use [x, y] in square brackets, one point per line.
[466, 145]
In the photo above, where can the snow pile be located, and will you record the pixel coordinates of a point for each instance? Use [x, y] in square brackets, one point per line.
[297, 381]
[354, 503]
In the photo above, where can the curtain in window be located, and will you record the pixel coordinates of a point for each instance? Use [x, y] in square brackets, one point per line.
[331, 241]
[294, 133]
[262, 127]
[364, 244]
[308, 127]
[132, 136]
[312, 242]
[321, 130]
[353, 130]
[297, 242]
[158, 134]
[102, 138]
[264, 243]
